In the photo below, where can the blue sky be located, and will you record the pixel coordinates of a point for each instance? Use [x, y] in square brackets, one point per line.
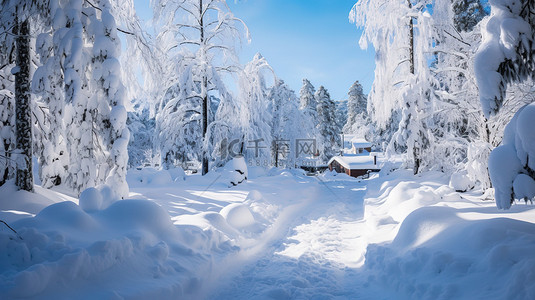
[303, 39]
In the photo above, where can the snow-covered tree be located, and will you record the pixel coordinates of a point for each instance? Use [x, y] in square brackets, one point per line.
[254, 115]
[506, 56]
[179, 122]
[204, 32]
[330, 136]
[140, 146]
[357, 114]
[399, 84]
[341, 114]
[7, 123]
[306, 98]
[48, 86]
[289, 124]
[78, 53]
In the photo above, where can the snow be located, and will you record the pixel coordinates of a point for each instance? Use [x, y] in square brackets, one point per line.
[238, 215]
[460, 182]
[280, 235]
[360, 143]
[512, 160]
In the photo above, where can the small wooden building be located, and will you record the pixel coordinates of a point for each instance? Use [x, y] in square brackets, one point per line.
[354, 165]
[360, 146]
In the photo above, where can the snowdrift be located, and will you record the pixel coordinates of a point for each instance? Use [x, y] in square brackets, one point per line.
[129, 250]
[429, 242]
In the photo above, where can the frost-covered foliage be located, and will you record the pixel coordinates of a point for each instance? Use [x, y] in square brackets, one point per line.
[341, 114]
[307, 99]
[198, 37]
[254, 115]
[289, 124]
[48, 86]
[467, 14]
[456, 121]
[7, 123]
[424, 79]
[140, 146]
[506, 54]
[357, 114]
[330, 140]
[79, 55]
[178, 123]
[385, 27]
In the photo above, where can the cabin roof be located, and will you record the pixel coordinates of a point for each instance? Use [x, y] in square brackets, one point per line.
[360, 143]
[355, 162]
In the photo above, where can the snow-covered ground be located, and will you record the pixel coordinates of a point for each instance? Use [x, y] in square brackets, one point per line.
[279, 235]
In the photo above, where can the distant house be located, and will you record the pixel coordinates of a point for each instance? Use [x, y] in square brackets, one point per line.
[354, 165]
[360, 146]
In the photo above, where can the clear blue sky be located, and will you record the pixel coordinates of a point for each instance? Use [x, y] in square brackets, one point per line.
[303, 39]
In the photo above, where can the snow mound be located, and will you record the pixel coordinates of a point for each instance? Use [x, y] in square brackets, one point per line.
[460, 182]
[153, 177]
[427, 242]
[91, 200]
[235, 171]
[64, 247]
[514, 159]
[238, 215]
[98, 198]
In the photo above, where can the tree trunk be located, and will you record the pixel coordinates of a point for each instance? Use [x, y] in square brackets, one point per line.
[411, 40]
[24, 177]
[416, 150]
[205, 94]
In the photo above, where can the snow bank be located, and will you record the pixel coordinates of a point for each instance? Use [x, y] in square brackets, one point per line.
[428, 242]
[64, 247]
[15, 204]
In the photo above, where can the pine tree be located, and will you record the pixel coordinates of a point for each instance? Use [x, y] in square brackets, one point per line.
[467, 14]
[307, 98]
[357, 115]
[330, 137]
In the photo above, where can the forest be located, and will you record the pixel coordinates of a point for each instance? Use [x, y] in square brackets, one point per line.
[126, 147]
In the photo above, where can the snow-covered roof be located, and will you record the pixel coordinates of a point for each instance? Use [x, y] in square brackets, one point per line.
[360, 143]
[355, 162]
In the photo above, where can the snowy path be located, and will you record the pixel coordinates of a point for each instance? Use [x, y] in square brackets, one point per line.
[313, 253]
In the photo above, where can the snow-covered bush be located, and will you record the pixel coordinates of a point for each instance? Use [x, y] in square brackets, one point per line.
[460, 182]
[235, 171]
[512, 164]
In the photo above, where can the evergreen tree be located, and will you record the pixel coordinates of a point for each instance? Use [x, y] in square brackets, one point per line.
[140, 146]
[330, 137]
[357, 115]
[307, 99]
[467, 14]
